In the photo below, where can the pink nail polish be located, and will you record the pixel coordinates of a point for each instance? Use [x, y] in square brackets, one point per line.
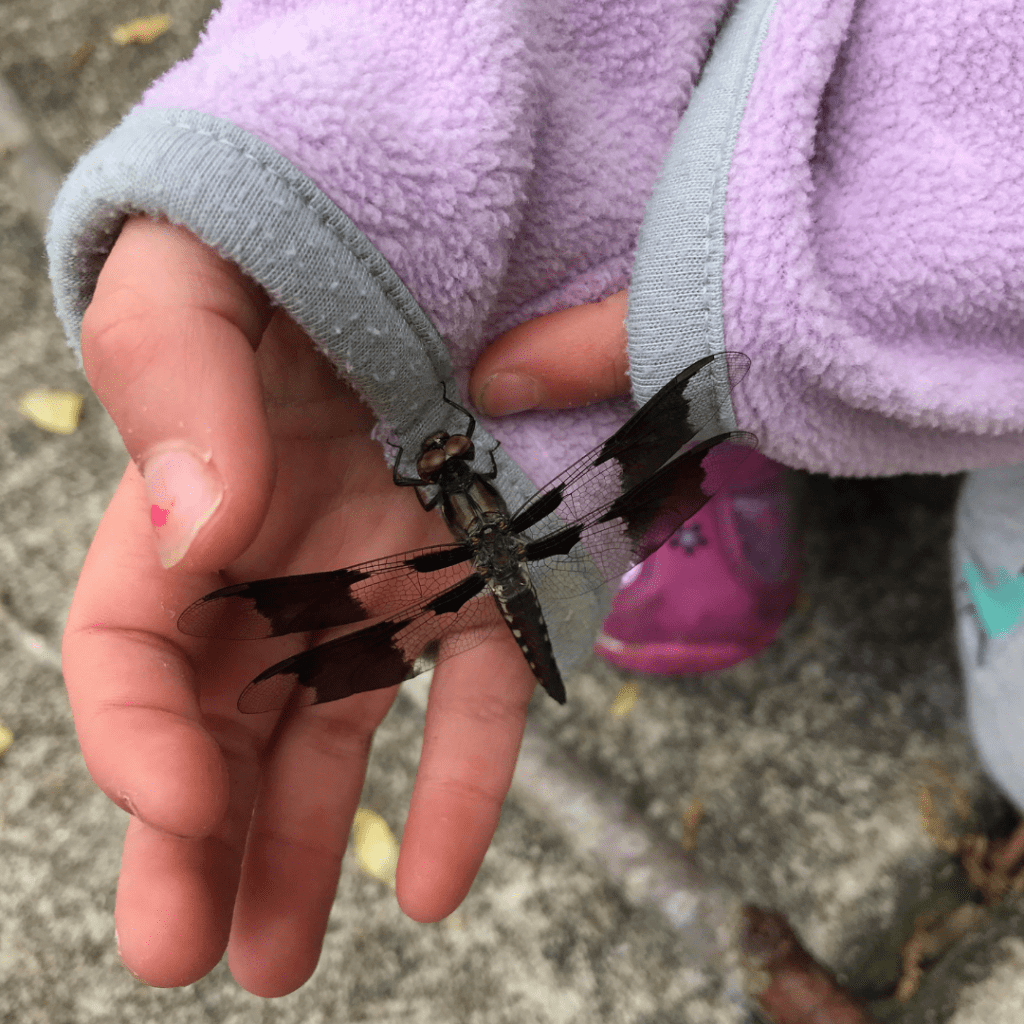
[184, 490]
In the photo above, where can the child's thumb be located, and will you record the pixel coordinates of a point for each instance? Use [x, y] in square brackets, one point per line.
[168, 344]
[570, 358]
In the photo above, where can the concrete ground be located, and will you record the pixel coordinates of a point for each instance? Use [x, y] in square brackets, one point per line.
[808, 760]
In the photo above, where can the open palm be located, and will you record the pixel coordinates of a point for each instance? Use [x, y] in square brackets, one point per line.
[240, 822]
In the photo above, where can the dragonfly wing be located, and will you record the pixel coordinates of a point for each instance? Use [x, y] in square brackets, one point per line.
[323, 600]
[581, 555]
[680, 415]
[380, 655]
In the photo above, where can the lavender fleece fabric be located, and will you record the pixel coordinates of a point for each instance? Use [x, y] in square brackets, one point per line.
[874, 259]
[840, 197]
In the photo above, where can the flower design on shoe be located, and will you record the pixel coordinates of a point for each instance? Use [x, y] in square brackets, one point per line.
[689, 538]
[994, 609]
[999, 607]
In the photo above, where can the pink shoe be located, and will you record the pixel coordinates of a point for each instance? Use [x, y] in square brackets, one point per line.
[718, 591]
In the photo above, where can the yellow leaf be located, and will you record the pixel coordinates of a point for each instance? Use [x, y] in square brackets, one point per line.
[6, 739]
[624, 701]
[141, 31]
[55, 411]
[376, 846]
[692, 817]
[81, 56]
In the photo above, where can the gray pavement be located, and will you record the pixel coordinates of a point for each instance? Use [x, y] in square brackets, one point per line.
[808, 759]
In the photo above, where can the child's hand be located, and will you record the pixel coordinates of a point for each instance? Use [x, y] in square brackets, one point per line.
[574, 357]
[250, 459]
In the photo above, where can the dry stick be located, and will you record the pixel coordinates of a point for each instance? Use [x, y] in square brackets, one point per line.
[652, 871]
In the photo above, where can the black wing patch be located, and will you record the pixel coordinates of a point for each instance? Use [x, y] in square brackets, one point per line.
[377, 656]
[323, 600]
[625, 498]
[648, 440]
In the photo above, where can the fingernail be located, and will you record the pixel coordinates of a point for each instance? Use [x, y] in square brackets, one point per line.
[117, 942]
[506, 393]
[184, 490]
[125, 802]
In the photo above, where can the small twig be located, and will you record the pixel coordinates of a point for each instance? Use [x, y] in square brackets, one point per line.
[799, 989]
[1007, 855]
[930, 940]
[993, 868]
[961, 801]
[933, 825]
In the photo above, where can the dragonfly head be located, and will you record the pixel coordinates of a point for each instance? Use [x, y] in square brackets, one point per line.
[437, 449]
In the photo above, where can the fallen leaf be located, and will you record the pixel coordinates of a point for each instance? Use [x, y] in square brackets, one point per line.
[376, 846]
[55, 411]
[81, 56]
[692, 817]
[932, 938]
[625, 700]
[6, 739]
[992, 869]
[141, 31]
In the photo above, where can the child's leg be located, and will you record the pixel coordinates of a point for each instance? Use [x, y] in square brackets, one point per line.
[988, 591]
[719, 590]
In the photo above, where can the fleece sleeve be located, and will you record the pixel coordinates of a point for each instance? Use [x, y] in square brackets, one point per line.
[405, 172]
[844, 202]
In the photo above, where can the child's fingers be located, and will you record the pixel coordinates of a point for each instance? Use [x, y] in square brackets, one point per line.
[173, 910]
[475, 720]
[168, 344]
[559, 361]
[176, 893]
[186, 770]
[311, 784]
[131, 683]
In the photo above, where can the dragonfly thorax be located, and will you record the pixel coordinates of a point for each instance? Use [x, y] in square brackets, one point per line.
[497, 554]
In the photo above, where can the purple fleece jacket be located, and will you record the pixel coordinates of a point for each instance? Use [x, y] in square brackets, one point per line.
[841, 197]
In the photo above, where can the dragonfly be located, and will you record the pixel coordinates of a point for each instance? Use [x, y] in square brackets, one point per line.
[608, 511]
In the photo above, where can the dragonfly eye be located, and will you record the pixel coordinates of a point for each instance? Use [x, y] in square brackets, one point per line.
[458, 446]
[429, 464]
